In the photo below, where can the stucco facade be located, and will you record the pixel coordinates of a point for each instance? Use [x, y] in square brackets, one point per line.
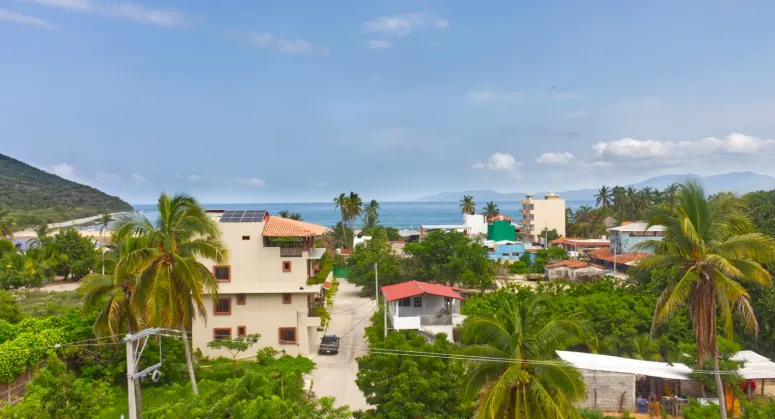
[262, 289]
[538, 214]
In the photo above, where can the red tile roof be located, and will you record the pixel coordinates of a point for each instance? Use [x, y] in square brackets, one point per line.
[285, 227]
[571, 263]
[624, 258]
[581, 242]
[412, 288]
[501, 218]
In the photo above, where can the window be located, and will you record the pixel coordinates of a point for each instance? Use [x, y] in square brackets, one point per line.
[241, 331]
[241, 299]
[286, 266]
[287, 335]
[287, 298]
[221, 333]
[245, 237]
[418, 301]
[405, 302]
[222, 273]
[223, 306]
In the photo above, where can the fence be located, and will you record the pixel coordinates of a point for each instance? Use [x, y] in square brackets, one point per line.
[14, 394]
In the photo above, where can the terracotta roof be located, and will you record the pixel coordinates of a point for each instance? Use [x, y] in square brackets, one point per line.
[501, 218]
[284, 227]
[581, 242]
[571, 263]
[412, 288]
[623, 258]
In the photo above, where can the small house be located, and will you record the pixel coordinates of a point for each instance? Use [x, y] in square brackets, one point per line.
[574, 271]
[427, 308]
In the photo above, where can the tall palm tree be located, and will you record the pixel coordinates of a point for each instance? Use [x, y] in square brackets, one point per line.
[113, 295]
[491, 210]
[467, 205]
[604, 196]
[619, 197]
[342, 203]
[584, 213]
[40, 236]
[525, 387]
[645, 348]
[714, 245]
[371, 214]
[170, 280]
[670, 192]
[632, 201]
[7, 223]
[355, 208]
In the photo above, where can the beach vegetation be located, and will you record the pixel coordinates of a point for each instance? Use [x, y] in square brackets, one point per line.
[491, 210]
[467, 205]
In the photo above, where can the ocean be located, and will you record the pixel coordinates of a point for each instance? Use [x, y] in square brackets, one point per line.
[401, 215]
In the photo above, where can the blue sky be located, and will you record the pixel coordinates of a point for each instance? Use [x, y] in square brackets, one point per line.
[246, 101]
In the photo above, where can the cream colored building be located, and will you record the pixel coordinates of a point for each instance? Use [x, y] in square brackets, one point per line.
[538, 214]
[262, 288]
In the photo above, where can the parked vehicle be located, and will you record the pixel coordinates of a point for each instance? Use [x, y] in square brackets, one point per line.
[329, 345]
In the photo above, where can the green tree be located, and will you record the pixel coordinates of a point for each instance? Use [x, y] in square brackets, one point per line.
[583, 214]
[342, 235]
[386, 233]
[289, 215]
[467, 205]
[715, 246]
[350, 207]
[74, 255]
[491, 210]
[670, 193]
[549, 235]
[645, 348]
[171, 281]
[6, 246]
[9, 308]
[41, 236]
[604, 196]
[410, 386]
[7, 223]
[760, 206]
[235, 346]
[371, 214]
[449, 258]
[342, 203]
[362, 260]
[524, 386]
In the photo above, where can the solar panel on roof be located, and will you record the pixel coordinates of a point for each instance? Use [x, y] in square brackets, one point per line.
[242, 216]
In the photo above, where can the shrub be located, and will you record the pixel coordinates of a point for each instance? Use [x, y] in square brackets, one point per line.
[697, 411]
[759, 411]
[591, 414]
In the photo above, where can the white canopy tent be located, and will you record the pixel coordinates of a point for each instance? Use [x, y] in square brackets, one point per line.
[609, 363]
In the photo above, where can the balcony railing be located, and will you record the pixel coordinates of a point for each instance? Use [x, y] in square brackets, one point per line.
[291, 251]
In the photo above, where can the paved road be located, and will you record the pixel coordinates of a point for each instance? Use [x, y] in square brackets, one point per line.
[335, 375]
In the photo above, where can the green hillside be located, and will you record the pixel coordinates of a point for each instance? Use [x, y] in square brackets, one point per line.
[36, 197]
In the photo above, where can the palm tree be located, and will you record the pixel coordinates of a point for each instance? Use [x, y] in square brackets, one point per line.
[342, 203]
[491, 210]
[604, 196]
[355, 208]
[670, 192]
[619, 197]
[526, 386]
[7, 223]
[171, 281]
[714, 245]
[632, 201]
[371, 214]
[467, 205]
[114, 296]
[40, 236]
[289, 215]
[583, 213]
[645, 348]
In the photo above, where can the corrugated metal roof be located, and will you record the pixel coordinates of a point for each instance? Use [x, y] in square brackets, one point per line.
[609, 363]
[756, 366]
[412, 288]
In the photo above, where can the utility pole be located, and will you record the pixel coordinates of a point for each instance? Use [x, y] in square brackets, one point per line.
[376, 288]
[130, 372]
[385, 327]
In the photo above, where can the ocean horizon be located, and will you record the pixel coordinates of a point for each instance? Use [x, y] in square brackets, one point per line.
[401, 215]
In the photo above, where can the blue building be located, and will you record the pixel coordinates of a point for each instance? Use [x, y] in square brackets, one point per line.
[625, 237]
[505, 250]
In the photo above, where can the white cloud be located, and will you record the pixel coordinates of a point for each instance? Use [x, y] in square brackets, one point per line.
[403, 24]
[378, 44]
[64, 170]
[122, 10]
[485, 96]
[24, 19]
[194, 177]
[555, 158]
[630, 148]
[501, 162]
[251, 182]
[139, 178]
[267, 40]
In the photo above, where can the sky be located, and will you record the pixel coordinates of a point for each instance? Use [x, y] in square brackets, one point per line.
[297, 101]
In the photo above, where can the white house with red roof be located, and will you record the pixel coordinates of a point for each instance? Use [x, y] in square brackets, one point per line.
[427, 308]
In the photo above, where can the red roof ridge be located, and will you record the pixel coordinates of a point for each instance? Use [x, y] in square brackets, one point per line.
[419, 286]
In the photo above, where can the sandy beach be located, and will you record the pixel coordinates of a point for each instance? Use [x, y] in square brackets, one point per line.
[29, 234]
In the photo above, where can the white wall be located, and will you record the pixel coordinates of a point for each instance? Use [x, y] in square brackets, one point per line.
[406, 323]
[477, 222]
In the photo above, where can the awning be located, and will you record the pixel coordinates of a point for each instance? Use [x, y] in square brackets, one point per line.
[756, 366]
[609, 363]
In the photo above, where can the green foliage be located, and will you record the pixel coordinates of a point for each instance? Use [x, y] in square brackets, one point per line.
[9, 308]
[759, 410]
[697, 411]
[361, 265]
[235, 346]
[75, 255]
[410, 387]
[760, 206]
[450, 258]
[34, 196]
[550, 234]
[55, 392]
[518, 267]
[46, 303]
[6, 246]
[384, 233]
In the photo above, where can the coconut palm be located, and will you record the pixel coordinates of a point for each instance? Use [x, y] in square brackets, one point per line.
[604, 196]
[467, 205]
[113, 295]
[40, 236]
[670, 193]
[7, 223]
[289, 215]
[714, 245]
[491, 210]
[584, 213]
[523, 385]
[171, 282]
[371, 214]
[632, 201]
[342, 203]
[619, 195]
[355, 208]
[645, 348]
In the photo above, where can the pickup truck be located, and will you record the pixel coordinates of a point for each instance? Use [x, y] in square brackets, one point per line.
[329, 345]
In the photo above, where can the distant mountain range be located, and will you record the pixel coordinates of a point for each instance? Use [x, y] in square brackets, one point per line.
[34, 196]
[737, 182]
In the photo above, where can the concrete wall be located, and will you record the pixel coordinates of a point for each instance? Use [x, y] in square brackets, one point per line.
[477, 223]
[546, 213]
[624, 241]
[605, 389]
[264, 314]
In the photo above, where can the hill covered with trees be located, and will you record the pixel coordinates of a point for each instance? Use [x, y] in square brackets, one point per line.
[34, 196]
